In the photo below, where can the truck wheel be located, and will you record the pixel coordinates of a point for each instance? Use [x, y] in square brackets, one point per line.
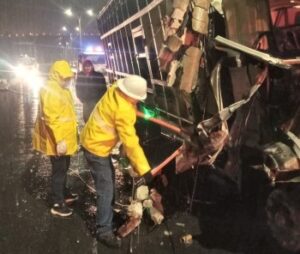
[283, 216]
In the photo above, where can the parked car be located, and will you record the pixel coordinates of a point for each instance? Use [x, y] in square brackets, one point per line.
[26, 72]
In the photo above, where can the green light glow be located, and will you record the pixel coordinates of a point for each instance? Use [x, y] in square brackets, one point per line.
[149, 113]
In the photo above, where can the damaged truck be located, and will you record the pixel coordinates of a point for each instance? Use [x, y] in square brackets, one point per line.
[223, 94]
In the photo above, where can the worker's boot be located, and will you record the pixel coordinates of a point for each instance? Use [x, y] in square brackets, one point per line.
[110, 240]
[61, 210]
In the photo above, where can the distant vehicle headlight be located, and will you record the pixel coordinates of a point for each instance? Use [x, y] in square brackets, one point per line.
[20, 71]
[28, 75]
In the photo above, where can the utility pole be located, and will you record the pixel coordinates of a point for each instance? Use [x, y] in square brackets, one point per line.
[78, 16]
[80, 33]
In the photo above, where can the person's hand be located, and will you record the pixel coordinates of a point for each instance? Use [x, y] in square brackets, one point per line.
[146, 179]
[61, 148]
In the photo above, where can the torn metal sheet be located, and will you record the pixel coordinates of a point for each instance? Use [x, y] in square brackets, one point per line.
[156, 200]
[156, 216]
[217, 4]
[267, 58]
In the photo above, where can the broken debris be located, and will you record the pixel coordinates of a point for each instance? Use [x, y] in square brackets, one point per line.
[142, 193]
[156, 215]
[129, 226]
[187, 239]
[135, 209]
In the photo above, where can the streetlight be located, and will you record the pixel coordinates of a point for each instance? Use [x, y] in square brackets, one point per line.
[90, 12]
[69, 13]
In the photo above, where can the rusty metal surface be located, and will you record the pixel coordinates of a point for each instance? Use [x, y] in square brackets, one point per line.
[245, 19]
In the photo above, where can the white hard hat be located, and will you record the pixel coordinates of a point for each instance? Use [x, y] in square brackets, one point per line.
[133, 86]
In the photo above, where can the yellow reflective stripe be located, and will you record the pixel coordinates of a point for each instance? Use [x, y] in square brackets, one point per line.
[66, 119]
[104, 126]
[63, 119]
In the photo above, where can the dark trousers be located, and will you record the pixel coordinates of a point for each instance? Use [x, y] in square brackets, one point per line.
[87, 109]
[104, 177]
[60, 166]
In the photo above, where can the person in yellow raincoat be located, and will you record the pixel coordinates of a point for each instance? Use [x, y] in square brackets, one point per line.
[55, 132]
[113, 119]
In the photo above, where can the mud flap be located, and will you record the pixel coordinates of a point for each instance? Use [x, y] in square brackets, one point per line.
[283, 215]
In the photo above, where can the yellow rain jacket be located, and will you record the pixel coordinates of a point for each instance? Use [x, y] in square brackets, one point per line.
[112, 120]
[56, 120]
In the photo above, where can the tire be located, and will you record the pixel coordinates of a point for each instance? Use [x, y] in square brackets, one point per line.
[283, 216]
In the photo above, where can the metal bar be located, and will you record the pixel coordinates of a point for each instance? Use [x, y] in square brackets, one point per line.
[146, 50]
[159, 82]
[80, 33]
[155, 171]
[112, 56]
[163, 84]
[160, 122]
[122, 38]
[139, 14]
[252, 52]
[114, 41]
[149, 90]
[122, 68]
[124, 52]
[292, 61]
[154, 43]
[226, 113]
[103, 10]
[161, 22]
[128, 43]
[174, 116]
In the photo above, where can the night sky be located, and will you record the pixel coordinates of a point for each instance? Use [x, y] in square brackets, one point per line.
[45, 16]
[34, 28]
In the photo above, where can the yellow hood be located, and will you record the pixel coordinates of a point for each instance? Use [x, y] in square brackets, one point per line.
[56, 120]
[60, 70]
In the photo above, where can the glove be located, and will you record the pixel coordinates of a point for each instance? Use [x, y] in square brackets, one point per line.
[61, 148]
[131, 172]
[146, 179]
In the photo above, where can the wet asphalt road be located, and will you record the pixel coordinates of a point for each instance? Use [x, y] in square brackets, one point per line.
[27, 227]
